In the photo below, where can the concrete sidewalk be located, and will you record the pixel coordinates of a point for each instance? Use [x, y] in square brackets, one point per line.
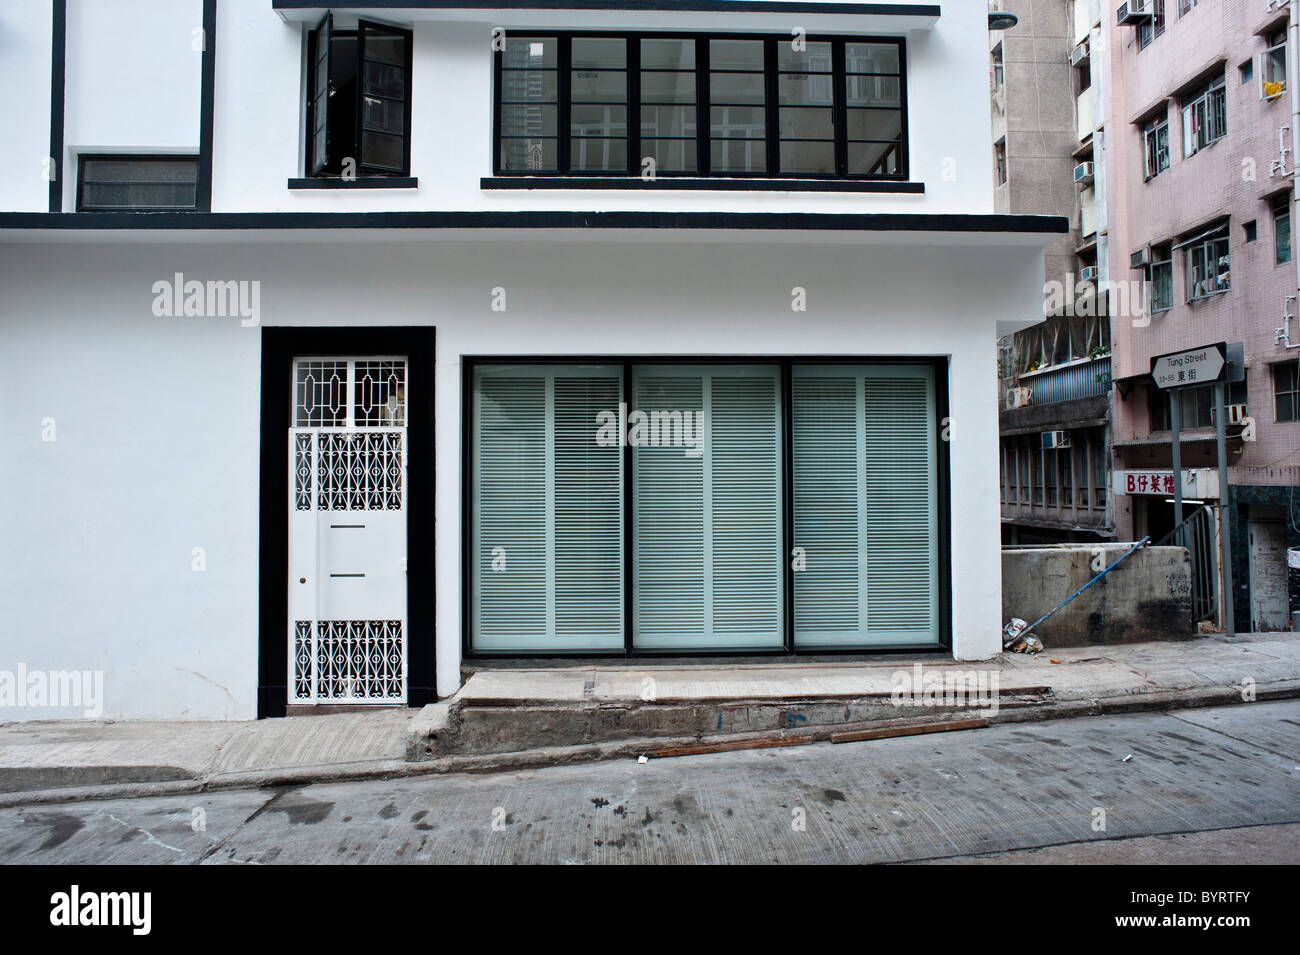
[505, 718]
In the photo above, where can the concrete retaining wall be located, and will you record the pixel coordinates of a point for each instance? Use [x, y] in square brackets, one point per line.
[1147, 597]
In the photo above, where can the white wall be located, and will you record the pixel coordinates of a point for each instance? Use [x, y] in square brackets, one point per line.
[259, 102]
[157, 418]
[25, 34]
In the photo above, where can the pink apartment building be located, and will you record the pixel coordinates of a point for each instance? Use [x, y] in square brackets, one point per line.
[1200, 201]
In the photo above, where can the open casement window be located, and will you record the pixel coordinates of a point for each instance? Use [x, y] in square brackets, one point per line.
[865, 505]
[1272, 78]
[1205, 117]
[358, 109]
[1207, 263]
[1155, 133]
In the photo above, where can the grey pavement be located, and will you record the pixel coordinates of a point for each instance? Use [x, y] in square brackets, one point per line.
[1196, 782]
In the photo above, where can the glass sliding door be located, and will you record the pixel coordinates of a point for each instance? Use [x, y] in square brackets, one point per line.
[706, 507]
[547, 526]
[865, 502]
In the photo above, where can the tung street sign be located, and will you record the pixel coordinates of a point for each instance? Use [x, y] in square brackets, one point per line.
[1193, 366]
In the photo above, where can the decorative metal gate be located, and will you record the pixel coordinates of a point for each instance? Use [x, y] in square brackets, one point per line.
[347, 531]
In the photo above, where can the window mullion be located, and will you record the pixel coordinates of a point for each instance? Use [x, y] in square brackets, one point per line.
[563, 58]
[703, 111]
[839, 108]
[772, 110]
[633, 130]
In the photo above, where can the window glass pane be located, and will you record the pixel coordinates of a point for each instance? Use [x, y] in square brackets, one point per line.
[594, 53]
[532, 154]
[529, 86]
[804, 89]
[740, 88]
[667, 120]
[872, 91]
[806, 124]
[528, 120]
[875, 123]
[547, 530]
[599, 86]
[388, 49]
[667, 87]
[384, 79]
[735, 55]
[708, 565]
[871, 58]
[667, 54]
[138, 184]
[671, 155]
[865, 506]
[530, 52]
[598, 155]
[387, 115]
[816, 57]
[873, 159]
[736, 122]
[738, 155]
[382, 149]
[598, 120]
[808, 157]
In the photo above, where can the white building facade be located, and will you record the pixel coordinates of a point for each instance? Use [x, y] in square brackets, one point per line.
[344, 345]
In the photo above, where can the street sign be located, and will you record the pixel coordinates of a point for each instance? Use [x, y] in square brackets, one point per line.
[1193, 366]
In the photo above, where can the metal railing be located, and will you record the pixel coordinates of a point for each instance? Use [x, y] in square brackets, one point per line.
[1199, 534]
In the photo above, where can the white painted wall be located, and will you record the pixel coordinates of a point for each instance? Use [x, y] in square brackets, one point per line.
[157, 418]
[25, 34]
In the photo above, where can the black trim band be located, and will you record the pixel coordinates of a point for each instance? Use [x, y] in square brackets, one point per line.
[58, 56]
[207, 105]
[362, 182]
[766, 221]
[692, 183]
[635, 6]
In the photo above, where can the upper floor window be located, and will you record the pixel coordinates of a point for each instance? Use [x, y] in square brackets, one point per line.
[1155, 134]
[1273, 74]
[997, 69]
[137, 183]
[1282, 229]
[1286, 390]
[654, 104]
[1185, 6]
[1162, 278]
[1205, 116]
[1207, 264]
[1195, 405]
[358, 100]
[1155, 27]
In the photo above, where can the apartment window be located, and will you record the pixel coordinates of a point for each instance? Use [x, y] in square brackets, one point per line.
[1196, 405]
[1273, 74]
[1147, 32]
[997, 70]
[1286, 390]
[1162, 278]
[1185, 6]
[1155, 133]
[358, 100]
[137, 183]
[1000, 161]
[1282, 229]
[1205, 117]
[703, 106]
[1250, 230]
[1207, 264]
[1247, 71]
[639, 506]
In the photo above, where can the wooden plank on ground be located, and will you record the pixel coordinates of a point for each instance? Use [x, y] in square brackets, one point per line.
[909, 729]
[762, 742]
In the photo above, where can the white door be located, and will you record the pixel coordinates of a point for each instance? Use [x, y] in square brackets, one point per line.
[1268, 597]
[347, 531]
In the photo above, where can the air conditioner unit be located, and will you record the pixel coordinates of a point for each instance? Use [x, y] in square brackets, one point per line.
[1055, 440]
[1079, 53]
[1236, 414]
[1084, 172]
[1018, 397]
[1134, 13]
[1088, 274]
[1139, 259]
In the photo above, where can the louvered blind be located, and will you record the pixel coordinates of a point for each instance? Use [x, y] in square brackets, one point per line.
[707, 529]
[865, 505]
[548, 514]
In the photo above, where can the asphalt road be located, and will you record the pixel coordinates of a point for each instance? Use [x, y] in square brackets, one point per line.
[1216, 785]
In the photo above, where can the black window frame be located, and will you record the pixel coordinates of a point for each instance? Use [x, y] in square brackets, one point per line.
[313, 166]
[1290, 395]
[703, 139]
[84, 158]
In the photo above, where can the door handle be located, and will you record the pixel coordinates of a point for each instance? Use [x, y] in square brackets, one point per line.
[302, 580]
